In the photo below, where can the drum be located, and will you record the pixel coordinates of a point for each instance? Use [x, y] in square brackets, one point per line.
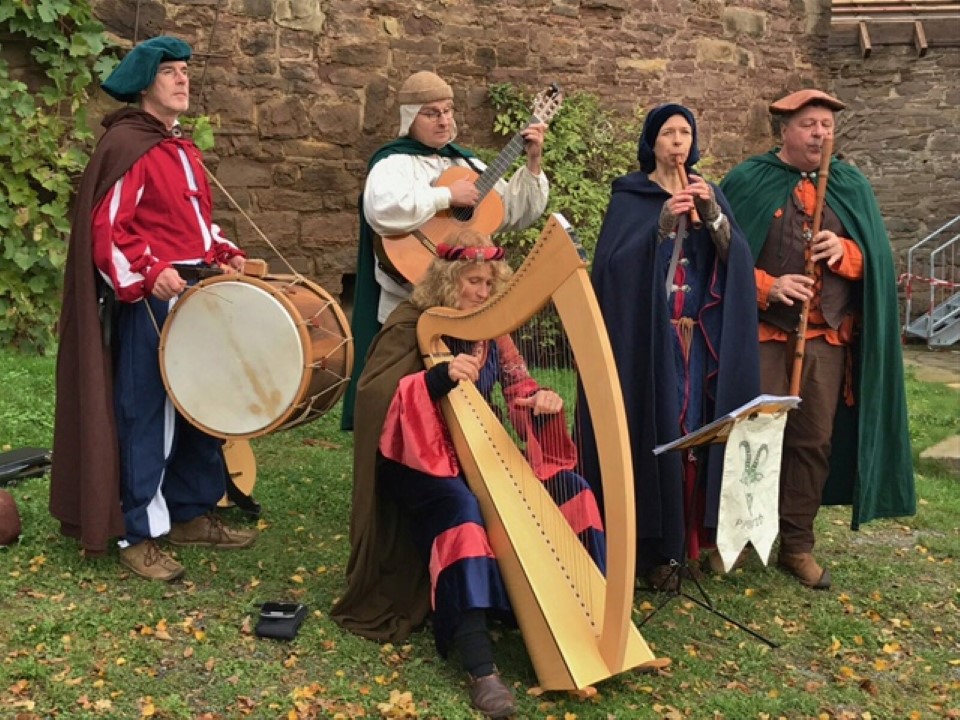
[244, 356]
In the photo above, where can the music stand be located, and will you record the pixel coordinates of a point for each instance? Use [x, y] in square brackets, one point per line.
[699, 442]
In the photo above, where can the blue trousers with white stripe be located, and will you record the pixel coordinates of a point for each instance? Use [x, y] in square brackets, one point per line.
[169, 470]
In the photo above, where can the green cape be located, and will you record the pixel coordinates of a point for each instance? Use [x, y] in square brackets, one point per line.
[871, 464]
[366, 293]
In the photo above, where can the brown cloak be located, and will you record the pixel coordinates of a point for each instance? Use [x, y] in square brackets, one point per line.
[388, 587]
[85, 479]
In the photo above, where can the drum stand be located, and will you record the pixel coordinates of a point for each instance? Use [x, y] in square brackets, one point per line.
[680, 570]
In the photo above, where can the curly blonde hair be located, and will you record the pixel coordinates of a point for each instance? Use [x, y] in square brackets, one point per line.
[441, 283]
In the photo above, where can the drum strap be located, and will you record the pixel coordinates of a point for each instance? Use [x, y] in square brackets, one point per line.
[239, 498]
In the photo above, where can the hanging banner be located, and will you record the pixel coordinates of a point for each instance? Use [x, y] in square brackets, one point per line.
[751, 487]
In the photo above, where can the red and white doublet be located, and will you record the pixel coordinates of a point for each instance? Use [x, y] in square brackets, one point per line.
[158, 213]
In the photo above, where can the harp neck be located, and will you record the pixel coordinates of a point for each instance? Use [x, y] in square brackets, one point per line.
[549, 265]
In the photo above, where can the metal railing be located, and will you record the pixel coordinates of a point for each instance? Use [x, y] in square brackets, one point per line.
[933, 262]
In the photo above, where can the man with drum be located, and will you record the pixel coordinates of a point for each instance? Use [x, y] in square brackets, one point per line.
[126, 463]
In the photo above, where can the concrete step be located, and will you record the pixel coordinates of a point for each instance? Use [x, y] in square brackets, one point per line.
[945, 453]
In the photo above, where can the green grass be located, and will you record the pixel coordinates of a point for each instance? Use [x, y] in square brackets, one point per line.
[83, 639]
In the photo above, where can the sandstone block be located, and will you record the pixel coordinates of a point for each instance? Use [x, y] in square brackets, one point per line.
[642, 65]
[262, 9]
[281, 227]
[740, 21]
[301, 198]
[242, 172]
[301, 14]
[285, 117]
[390, 26]
[330, 229]
[116, 16]
[328, 177]
[361, 54]
[711, 50]
[336, 122]
[512, 53]
[311, 148]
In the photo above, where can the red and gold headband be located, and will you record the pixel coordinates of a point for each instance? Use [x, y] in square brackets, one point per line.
[475, 253]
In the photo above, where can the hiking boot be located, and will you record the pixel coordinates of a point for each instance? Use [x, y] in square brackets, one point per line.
[803, 567]
[210, 531]
[147, 560]
[491, 696]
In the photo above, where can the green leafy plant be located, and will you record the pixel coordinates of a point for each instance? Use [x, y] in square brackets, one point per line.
[200, 128]
[44, 140]
[586, 148]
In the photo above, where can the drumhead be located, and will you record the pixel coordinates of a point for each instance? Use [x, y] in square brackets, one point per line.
[232, 357]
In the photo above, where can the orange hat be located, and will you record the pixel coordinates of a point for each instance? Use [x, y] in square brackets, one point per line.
[796, 100]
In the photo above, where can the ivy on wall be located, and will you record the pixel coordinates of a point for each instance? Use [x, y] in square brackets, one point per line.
[44, 141]
[586, 148]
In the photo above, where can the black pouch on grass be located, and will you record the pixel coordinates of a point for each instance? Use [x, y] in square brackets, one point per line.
[280, 621]
[23, 463]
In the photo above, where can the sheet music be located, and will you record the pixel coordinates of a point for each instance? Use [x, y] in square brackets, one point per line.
[760, 404]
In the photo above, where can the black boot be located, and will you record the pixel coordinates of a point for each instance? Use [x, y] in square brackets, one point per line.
[488, 693]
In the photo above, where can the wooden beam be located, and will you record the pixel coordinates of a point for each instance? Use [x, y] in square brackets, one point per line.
[865, 47]
[911, 5]
[919, 39]
[939, 33]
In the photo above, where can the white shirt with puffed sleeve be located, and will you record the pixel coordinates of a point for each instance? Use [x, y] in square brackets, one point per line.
[399, 196]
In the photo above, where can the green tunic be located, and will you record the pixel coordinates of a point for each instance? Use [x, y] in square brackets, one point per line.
[871, 463]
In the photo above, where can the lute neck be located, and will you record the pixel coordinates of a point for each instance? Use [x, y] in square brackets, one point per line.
[498, 168]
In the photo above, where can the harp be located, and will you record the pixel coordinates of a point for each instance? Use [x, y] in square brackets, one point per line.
[575, 622]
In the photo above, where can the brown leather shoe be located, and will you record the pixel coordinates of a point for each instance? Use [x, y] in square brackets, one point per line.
[209, 530]
[803, 567]
[147, 560]
[664, 578]
[491, 696]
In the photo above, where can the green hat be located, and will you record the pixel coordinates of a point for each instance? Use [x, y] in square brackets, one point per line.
[138, 69]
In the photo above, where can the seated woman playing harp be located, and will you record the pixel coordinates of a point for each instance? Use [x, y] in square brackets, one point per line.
[419, 544]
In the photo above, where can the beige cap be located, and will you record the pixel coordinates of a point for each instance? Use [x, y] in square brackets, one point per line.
[423, 87]
[796, 100]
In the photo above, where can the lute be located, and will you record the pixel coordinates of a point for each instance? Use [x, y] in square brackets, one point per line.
[409, 255]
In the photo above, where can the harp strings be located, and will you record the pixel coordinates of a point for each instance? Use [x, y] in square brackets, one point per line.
[545, 474]
[548, 359]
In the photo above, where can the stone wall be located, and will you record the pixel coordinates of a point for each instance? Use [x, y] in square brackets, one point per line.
[900, 128]
[304, 90]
